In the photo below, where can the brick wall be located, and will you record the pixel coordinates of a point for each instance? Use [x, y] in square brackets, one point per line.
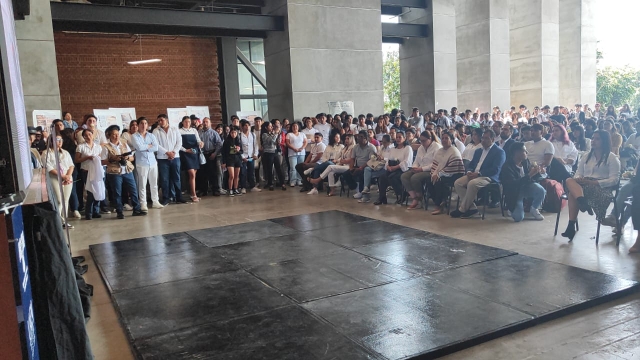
[94, 74]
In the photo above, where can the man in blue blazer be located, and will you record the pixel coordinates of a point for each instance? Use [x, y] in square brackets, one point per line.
[484, 169]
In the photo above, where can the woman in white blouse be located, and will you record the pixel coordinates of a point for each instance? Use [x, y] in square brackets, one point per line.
[85, 155]
[420, 171]
[565, 151]
[296, 143]
[65, 170]
[399, 162]
[475, 144]
[329, 157]
[591, 187]
[341, 165]
[190, 153]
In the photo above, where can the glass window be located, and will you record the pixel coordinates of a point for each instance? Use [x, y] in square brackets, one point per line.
[245, 80]
[244, 46]
[247, 105]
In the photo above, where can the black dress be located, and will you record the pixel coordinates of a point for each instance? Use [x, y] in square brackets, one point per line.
[190, 161]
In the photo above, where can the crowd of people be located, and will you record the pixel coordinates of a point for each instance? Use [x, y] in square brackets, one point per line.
[535, 157]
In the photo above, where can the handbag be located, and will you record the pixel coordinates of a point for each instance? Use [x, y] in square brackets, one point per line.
[203, 160]
[375, 164]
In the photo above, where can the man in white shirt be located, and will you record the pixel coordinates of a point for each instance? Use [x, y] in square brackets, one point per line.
[169, 144]
[249, 156]
[313, 159]
[455, 118]
[544, 115]
[323, 127]
[541, 151]
[362, 125]
[416, 120]
[91, 123]
[443, 120]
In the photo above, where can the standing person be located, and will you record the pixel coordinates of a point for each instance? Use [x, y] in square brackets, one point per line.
[232, 160]
[447, 167]
[169, 144]
[296, 142]
[145, 145]
[309, 132]
[519, 181]
[399, 161]
[249, 156]
[127, 136]
[257, 126]
[591, 187]
[208, 174]
[91, 123]
[323, 128]
[69, 144]
[270, 149]
[68, 122]
[65, 170]
[116, 155]
[88, 156]
[190, 154]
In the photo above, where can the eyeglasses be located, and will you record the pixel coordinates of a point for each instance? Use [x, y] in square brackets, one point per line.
[59, 139]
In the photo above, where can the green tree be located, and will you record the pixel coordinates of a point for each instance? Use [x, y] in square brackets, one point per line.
[617, 86]
[391, 81]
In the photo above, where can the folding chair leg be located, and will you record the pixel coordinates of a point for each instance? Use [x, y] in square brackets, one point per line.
[598, 233]
[618, 223]
[484, 206]
[555, 232]
[450, 199]
[577, 226]
[425, 197]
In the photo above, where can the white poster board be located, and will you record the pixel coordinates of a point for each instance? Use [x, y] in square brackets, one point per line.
[176, 114]
[126, 114]
[107, 118]
[337, 107]
[248, 115]
[44, 118]
[200, 111]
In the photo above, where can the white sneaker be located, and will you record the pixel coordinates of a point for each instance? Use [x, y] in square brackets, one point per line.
[144, 207]
[364, 200]
[76, 215]
[256, 189]
[156, 205]
[536, 214]
[223, 192]
[127, 207]
[357, 195]
[365, 190]
[244, 191]
[508, 213]
[313, 191]
[308, 171]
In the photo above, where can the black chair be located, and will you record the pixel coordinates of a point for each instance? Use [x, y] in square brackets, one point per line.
[484, 192]
[425, 197]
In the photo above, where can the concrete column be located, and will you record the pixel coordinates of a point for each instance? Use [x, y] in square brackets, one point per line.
[482, 33]
[534, 35]
[38, 60]
[577, 52]
[428, 73]
[328, 52]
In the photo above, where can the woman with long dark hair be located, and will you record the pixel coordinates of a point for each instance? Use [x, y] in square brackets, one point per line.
[582, 143]
[189, 153]
[616, 139]
[232, 159]
[611, 111]
[270, 149]
[590, 190]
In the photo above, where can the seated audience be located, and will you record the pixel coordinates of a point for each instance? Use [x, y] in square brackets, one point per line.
[342, 164]
[420, 172]
[360, 156]
[565, 151]
[399, 161]
[486, 165]
[519, 181]
[313, 159]
[447, 167]
[590, 190]
[329, 157]
[370, 173]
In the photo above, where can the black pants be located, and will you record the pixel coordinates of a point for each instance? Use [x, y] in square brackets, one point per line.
[635, 207]
[354, 178]
[439, 191]
[269, 161]
[389, 178]
[207, 176]
[301, 168]
[247, 172]
[557, 171]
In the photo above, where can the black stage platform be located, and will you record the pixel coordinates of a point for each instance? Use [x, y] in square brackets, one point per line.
[331, 285]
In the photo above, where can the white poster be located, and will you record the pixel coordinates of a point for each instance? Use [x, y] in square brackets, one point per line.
[126, 114]
[200, 111]
[107, 118]
[44, 118]
[337, 107]
[176, 114]
[248, 115]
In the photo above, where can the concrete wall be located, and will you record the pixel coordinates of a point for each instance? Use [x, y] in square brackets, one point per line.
[577, 52]
[534, 44]
[482, 40]
[428, 73]
[330, 50]
[38, 59]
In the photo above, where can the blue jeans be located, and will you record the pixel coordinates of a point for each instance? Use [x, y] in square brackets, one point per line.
[532, 191]
[169, 171]
[120, 182]
[294, 160]
[73, 199]
[247, 175]
[369, 174]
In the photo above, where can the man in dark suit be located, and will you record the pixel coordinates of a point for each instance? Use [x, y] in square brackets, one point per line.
[485, 169]
[505, 139]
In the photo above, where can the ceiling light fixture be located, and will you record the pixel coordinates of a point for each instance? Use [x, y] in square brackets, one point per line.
[140, 62]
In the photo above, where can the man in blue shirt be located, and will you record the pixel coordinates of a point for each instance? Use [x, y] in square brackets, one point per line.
[145, 145]
[209, 172]
[68, 122]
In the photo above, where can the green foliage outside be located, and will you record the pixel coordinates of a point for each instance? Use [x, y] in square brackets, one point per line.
[391, 81]
[617, 86]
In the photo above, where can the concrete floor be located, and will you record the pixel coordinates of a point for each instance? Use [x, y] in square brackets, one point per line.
[609, 331]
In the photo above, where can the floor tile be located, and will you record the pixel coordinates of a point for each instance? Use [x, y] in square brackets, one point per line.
[142, 247]
[159, 309]
[286, 333]
[234, 234]
[365, 233]
[532, 285]
[320, 220]
[412, 317]
[430, 255]
[137, 272]
[277, 249]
